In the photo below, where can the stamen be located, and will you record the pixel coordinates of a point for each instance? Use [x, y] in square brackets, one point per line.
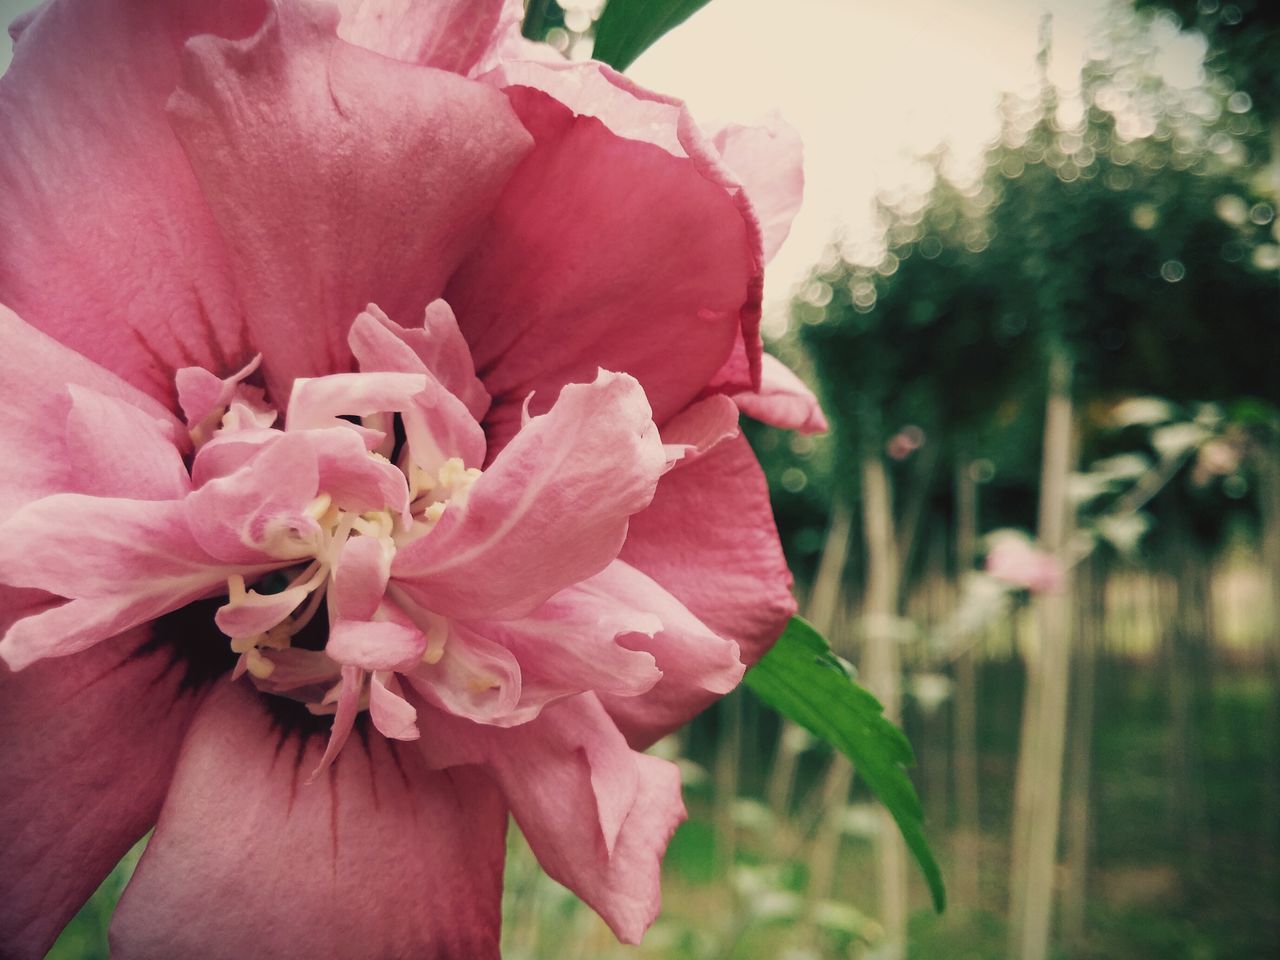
[258, 665]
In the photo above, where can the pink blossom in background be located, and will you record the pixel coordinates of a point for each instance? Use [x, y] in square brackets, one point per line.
[372, 469]
[1019, 562]
[904, 443]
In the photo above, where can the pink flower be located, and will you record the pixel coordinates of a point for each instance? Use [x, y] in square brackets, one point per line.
[1017, 561]
[323, 590]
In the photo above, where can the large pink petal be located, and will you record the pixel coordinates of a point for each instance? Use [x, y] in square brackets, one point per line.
[783, 400]
[123, 562]
[550, 511]
[105, 241]
[87, 745]
[709, 538]
[698, 667]
[621, 242]
[338, 176]
[35, 374]
[120, 451]
[379, 858]
[597, 815]
[456, 35]
[769, 160]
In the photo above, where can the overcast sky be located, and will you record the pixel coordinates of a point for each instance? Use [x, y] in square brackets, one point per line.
[869, 85]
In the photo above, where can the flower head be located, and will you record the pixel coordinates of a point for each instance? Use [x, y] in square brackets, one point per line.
[374, 471]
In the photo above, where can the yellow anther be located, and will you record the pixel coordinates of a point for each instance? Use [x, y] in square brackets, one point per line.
[433, 513]
[258, 665]
[452, 471]
[482, 682]
[318, 507]
[375, 523]
[278, 637]
[437, 633]
[245, 644]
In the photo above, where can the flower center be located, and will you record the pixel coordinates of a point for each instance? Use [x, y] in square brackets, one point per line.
[302, 597]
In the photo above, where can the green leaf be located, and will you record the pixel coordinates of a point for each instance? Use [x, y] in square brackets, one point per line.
[627, 28]
[537, 18]
[803, 680]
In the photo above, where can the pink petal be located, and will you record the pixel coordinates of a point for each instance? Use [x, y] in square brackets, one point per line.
[259, 513]
[437, 348]
[371, 178]
[710, 540]
[120, 451]
[769, 162]
[394, 716]
[655, 269]
[698, 428]
[360, 578]
[36, 401]
[227, 452]
[319, 402]
[294, 668]
[257, 613]
[203, 396]
[579, 640]
[108, 245]
[697, 666]
[783, 400]
[439, 424]
[123, 561]
[356, 481]
[597, 815]
[88, 745]
[474, 678]
[344, 718]
[456, 35]
[552, 509]
[380, 858]
[380, 645]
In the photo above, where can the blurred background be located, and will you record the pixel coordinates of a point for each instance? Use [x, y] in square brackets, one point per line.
[1036, 283]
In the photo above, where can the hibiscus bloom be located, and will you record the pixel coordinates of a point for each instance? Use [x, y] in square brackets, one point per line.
[371, 472]
[1017, 561]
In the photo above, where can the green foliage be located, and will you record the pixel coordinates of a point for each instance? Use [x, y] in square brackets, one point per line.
[629, 27]
[803, 680]
[1128, 228]
[540, 16]
[1244, 36]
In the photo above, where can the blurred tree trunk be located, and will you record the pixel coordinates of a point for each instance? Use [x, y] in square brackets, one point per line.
[1091, 620]
[964, 881]
[882, 668]
[935, 719]
[880, 672]
[1038, 793]
[725, 776]
[1189, 690]
[1267, 459]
